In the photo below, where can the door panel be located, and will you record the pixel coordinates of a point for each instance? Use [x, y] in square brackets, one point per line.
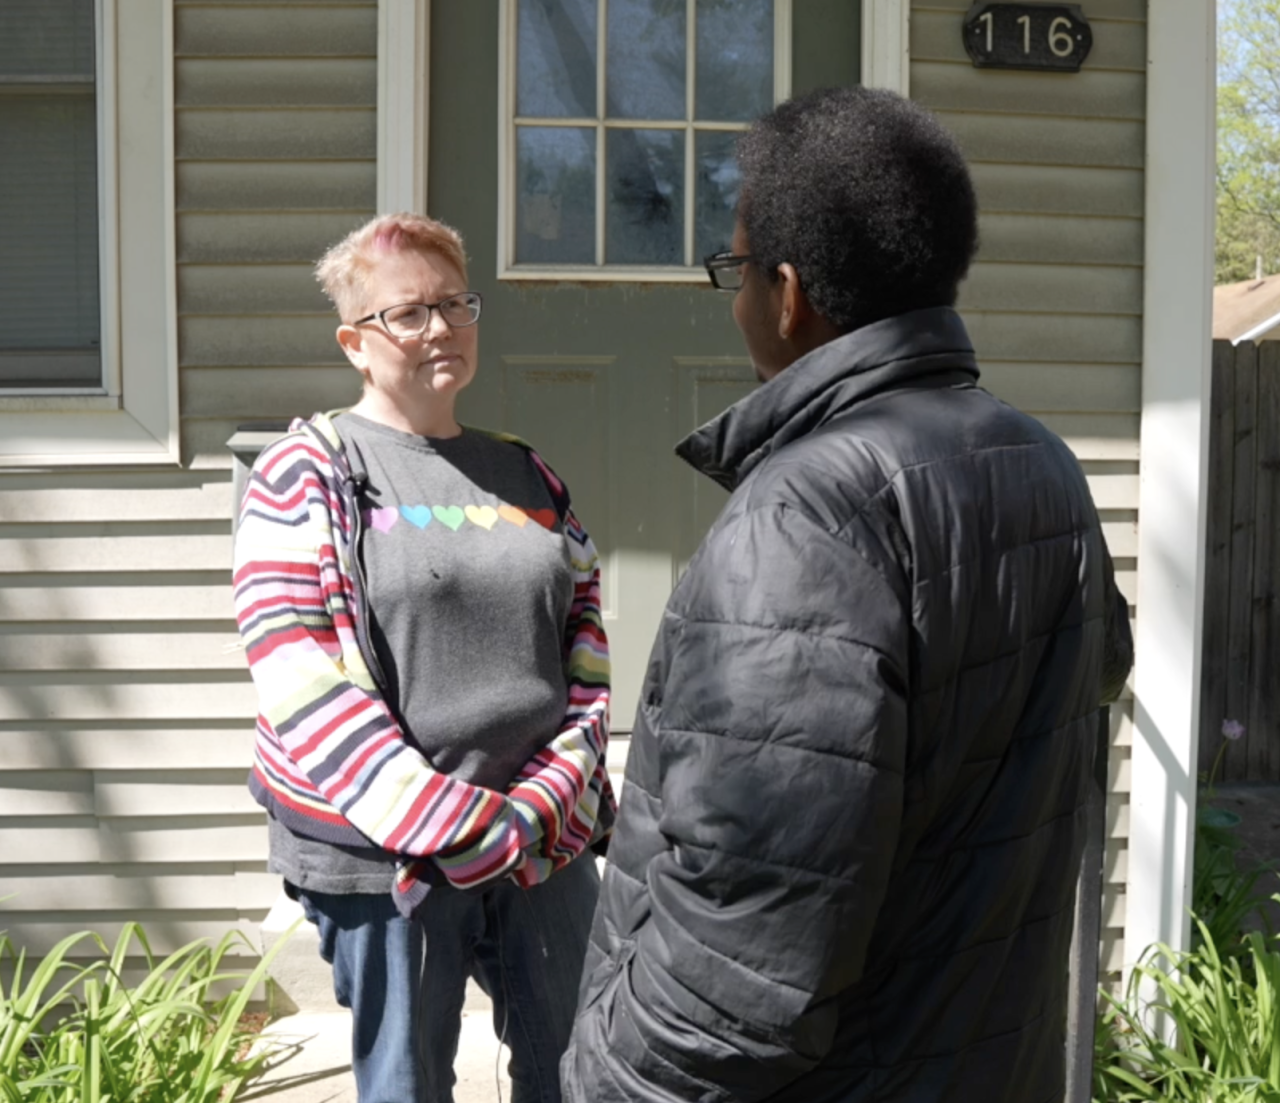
[603, 379]
[705, 387]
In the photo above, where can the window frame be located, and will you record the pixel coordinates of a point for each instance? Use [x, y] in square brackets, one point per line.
[508, 122]
[132, 418]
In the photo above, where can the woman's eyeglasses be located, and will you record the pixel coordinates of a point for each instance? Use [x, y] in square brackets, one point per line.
[412, 319]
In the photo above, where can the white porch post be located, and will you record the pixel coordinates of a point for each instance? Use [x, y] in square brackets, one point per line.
[886, 45]
[404, 39]
[1174, 455]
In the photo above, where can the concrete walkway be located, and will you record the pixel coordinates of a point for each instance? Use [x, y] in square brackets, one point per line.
[314, 1062]
[315, 1066]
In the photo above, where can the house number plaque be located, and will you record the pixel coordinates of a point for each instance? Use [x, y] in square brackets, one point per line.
[1052, 37]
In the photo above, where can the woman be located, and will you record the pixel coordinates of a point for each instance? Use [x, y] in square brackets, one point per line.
[421, 614]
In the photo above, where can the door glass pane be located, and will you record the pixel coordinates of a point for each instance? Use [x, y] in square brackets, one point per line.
[644, 218]
[734, 60]
[716, 198]
[556, 195]
[47, 38]
[556, 59]
[645, 73]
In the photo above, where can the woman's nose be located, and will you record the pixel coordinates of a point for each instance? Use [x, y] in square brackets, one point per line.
[437, 326]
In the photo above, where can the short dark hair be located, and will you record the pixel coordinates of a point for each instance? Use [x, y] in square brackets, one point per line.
[867, 195]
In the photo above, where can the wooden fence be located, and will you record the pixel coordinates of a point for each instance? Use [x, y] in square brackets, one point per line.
[1241, 668]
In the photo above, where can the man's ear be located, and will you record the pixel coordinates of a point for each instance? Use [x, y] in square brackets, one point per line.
[351, 341]
[795, 307]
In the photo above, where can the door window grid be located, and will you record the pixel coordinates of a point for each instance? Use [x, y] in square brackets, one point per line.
[690, 127]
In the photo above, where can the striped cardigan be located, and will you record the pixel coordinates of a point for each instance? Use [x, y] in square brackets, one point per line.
[331, 762]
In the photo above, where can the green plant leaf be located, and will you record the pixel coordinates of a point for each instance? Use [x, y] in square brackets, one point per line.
[78, 1033]
[1218, 817]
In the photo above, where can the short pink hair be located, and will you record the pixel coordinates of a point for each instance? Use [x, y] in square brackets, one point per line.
[344, 270]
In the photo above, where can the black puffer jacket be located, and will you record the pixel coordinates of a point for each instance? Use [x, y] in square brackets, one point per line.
[845, 861]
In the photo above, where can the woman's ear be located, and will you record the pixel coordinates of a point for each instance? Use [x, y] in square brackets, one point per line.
[351, 341]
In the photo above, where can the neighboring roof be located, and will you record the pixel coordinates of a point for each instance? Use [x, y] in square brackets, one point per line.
[1249, 310]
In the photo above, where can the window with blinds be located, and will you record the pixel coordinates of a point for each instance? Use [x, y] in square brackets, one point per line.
[49, 296]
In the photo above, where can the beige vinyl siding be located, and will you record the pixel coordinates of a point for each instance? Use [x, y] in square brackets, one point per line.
[276, 144]
[1054, 302]
[126, 711]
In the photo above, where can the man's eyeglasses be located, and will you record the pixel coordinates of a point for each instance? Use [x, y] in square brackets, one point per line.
[412, 319]
[726, 270]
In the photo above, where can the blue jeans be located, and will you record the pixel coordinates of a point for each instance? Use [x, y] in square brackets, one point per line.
[405, 980]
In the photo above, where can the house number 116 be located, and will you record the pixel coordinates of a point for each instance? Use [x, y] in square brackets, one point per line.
[1055, 37]
[1060, 40]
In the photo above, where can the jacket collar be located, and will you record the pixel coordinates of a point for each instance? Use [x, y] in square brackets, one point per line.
[921, 349]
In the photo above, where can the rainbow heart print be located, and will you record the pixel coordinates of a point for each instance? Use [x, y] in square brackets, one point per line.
[452, 518]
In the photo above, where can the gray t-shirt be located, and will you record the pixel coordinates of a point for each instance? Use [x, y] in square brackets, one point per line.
[469, 588]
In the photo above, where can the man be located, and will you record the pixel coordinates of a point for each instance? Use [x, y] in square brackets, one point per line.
[847, 853]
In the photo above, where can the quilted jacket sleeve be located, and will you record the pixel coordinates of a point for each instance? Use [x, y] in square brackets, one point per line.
[775, 736]
[1117, 651]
